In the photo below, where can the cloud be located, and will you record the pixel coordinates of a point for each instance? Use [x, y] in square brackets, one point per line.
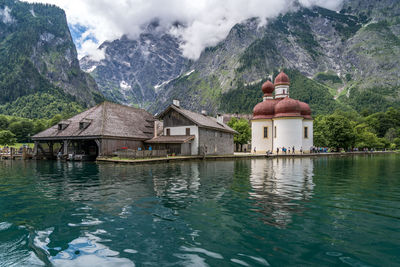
[206, 22]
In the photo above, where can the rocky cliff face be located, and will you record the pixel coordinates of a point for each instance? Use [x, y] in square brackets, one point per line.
[348, 54]
[133, 70]
[38, 56]
[345, 56]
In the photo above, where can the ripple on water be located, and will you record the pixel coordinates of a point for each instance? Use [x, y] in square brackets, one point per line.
[203, 251]
[4, 226]
[82, 251]
[240, 262]
[14, 252]
[192, 260]
[131, 251]
[41, 240]
[88, 251]
[333, 254]
[353, 262]
[86, 222]
[257, 259]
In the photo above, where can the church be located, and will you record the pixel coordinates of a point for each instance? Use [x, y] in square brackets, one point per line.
[279, 121]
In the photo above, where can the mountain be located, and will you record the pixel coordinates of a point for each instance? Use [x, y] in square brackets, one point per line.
[133, 70]
[348, 59]
[39, 70]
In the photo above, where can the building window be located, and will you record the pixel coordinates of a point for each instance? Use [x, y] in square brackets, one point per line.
[62, 126]
[168, 132]
[265, 132]
[305, 132]
[275, 132]
[187, 131]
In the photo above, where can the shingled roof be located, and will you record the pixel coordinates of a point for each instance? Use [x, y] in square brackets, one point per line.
[104, 120]
[173, 139]
[199, 119]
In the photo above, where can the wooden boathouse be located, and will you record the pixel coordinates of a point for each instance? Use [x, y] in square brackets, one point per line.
[98, 131]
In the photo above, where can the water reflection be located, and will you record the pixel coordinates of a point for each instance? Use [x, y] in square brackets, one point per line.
[277, 186]
[200, 212]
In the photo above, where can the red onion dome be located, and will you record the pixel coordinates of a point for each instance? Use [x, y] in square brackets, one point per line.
[282, 79]
[287, 107]
[305, 110]
[265, 109]
[268, 88]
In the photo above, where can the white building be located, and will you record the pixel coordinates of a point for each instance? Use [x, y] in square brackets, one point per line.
[189, 133]
[279, 121]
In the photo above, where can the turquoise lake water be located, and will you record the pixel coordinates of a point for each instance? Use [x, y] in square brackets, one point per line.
[326, 211]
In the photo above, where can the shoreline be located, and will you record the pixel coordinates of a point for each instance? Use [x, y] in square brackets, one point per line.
[235, 156]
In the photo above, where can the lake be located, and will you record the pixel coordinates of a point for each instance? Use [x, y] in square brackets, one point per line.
[325, 211]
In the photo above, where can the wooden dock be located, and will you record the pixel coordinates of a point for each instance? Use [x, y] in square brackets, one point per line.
[234, 156]
[12, 154]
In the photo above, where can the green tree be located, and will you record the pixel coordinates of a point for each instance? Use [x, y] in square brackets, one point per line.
[56, 119]
[3, 122]
[391, 134]
[365, 137]
[338, 131]
[396, 141]
[241, 126]
[22, 130]
[40, 126]
[319, 132]
[7, 138]
[379, 122]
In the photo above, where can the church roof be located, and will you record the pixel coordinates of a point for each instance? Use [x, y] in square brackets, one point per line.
[282, 79]
[276, 108]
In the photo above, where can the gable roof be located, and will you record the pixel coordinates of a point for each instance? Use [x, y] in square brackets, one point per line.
[105, 120]
[199, 119]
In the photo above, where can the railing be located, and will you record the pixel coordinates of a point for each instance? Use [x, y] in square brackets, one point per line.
[130, 153]
[12, 153]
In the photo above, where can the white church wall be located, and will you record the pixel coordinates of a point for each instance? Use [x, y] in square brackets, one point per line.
[309, 141]
[257, 136]
[288, 133]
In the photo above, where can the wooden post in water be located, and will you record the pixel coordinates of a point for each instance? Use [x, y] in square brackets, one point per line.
[24, 156]
[35, 150]
[51, 152]
[65, 148]
[11, 153]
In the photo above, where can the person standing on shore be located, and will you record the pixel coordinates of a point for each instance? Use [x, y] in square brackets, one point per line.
[293, 151]
[277, 150]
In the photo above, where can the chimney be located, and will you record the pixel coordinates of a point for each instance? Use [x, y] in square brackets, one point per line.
[220, 118]
[176, 102]
[204, 112]
[156, 128]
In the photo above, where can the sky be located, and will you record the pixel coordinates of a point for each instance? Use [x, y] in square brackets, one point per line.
[206, 22]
